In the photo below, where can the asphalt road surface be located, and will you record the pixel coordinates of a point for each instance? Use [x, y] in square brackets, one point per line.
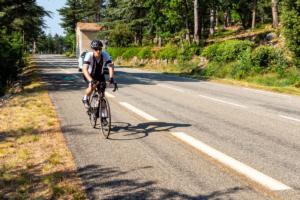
[179, 138]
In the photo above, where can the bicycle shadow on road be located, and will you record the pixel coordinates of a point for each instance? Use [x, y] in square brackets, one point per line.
[127, 131]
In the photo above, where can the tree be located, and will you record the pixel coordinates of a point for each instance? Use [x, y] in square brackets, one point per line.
[197, 28]
[21, 22]
[253, 14]
[275, 13]
[71, 14]
[290, 18]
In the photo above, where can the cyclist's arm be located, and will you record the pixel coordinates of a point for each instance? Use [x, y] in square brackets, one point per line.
[111, 70]
[86, 73]
[108, 61]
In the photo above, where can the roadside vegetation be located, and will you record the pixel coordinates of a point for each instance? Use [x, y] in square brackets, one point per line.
[253, 43]
[35, 162]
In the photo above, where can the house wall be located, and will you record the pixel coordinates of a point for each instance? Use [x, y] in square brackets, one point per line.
[78, 42]
[87, 37]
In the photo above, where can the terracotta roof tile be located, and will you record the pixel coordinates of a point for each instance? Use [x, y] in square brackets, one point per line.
[89, 26]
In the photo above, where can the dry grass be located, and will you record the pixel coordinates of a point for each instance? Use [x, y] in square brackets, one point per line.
[35, 162]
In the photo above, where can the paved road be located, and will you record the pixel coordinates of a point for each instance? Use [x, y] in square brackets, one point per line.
[193, 139]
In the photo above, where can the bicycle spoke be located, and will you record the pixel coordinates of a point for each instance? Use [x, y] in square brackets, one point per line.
[105, 117]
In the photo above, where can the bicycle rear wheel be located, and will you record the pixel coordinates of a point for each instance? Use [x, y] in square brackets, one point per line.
[93, 110]
[105, 117]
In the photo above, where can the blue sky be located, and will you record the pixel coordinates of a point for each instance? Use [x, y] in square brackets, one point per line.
[53, 23]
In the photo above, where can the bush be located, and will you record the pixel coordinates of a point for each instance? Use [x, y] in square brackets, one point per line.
[145, 53]
[116, 52]
[187, 52]
[244, 66]
[131, 52]
[168, 52]
[216, 69]
[226, 51]
[269, 58]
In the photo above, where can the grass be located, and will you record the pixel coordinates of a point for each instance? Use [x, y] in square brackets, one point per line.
[35, 162]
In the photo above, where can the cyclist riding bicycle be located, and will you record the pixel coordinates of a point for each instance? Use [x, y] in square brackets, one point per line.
[93, 69]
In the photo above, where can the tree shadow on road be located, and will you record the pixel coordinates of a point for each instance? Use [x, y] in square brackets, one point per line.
[110, 183]
[58, 80]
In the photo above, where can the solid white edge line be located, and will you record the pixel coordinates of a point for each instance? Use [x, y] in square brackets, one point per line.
[290, 118]
[109, 95]
[138, 111]
[219, 100]
[249, 172]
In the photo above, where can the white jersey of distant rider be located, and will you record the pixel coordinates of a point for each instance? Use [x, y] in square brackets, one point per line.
[88, 59]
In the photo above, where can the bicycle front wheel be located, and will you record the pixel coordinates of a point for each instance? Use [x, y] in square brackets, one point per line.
[105, 117]
[93, 110]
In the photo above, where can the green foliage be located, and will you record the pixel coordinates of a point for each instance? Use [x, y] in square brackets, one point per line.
[145, 53]
[187, 52]
[20, 24]
[54, 44]
[229, 50]
[262, 60]
[244, 66]
[168, 52]
[268, 57]
[116, 52]
[291, 78]
[290, 18]
[12, 56]
[121, 36]
[131, 52]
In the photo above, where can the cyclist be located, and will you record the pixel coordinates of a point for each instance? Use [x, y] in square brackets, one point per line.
[93, 69]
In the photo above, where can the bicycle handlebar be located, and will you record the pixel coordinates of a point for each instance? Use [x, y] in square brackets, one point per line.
[115, 85]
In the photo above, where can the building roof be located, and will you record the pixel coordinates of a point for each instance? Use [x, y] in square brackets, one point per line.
[88, 26]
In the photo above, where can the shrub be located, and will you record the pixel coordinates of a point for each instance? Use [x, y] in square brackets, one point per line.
[226, 51]
[244, 66]
[145, 53]
[269, 59]
[217, 69]
[116, 52]
[187, 52]
[131, 52]
[168, 52]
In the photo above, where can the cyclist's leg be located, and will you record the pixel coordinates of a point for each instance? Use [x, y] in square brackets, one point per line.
[101, 89]
[88, 93]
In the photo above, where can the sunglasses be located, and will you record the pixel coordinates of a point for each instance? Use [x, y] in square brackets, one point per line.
[98, 49]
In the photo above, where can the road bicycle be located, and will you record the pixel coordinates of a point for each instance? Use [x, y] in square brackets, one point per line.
[99, 109]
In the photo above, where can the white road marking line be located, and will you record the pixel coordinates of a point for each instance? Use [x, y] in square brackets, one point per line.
[66, 71]
[109, 95]
[138, 111]
[290, 118]
[171, 87]
[249, 172]
[222, 101]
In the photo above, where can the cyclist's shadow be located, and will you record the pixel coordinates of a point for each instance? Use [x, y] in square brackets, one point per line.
[127, 131]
